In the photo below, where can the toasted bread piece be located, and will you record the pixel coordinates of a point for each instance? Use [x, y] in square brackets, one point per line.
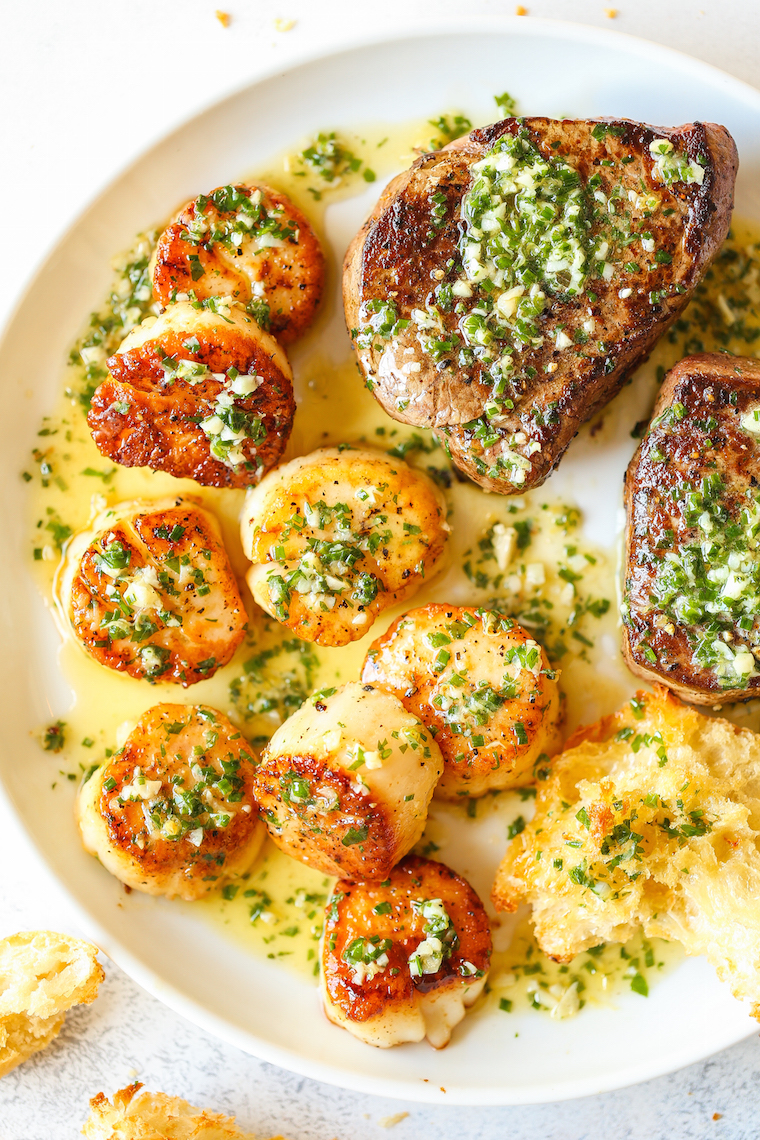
[504, 288]
[156, 1116]
[650, 818]
[692, 579]
[42, 975]
[405, 958]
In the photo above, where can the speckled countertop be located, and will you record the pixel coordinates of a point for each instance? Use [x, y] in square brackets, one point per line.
[65, 72]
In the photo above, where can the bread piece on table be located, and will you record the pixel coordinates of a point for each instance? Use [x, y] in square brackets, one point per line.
[42, 975]
[692, 496]
[156, 1116]
[650, 818]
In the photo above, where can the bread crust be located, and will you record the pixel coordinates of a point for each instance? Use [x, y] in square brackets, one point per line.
[135, 1115]
[42, 975]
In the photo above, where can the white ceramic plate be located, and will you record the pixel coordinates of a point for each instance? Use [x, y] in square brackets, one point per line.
[552, 69]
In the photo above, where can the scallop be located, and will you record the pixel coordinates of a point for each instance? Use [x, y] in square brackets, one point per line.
[405, 958]
[251, 244]
[201, 392]
[338, 536]
[481, 683]
[345, 784]
[172, 812]
[148, 590]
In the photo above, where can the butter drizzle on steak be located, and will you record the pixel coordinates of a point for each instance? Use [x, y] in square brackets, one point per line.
[647, 227]
[692, 580]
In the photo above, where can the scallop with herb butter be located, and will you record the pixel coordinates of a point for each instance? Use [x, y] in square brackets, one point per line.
[338, 536]
[345, 783]
[403, 959]
[482, 683]
[251, 244]
[201, 392]
[148, 590]
[172, 812]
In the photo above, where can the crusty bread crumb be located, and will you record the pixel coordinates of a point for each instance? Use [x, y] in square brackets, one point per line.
[156, 1116]
[42, 975]
[650, 818]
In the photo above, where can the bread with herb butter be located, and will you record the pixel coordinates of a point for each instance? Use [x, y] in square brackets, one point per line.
[505, 287]
[42, 975]
[692, 577]
[649, 819]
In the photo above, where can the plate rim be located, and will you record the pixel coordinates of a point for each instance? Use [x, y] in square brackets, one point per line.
[401, 31]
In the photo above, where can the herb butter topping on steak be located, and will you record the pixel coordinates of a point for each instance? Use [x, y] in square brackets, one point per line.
[506, 286]
[692, 583]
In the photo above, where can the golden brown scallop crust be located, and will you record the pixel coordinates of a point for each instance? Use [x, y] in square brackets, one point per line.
[141, 417]
[303, 799]
[351, 914]
[201, 596]
[356, 516]
[291, 273]
[198, 792]
[482, 683]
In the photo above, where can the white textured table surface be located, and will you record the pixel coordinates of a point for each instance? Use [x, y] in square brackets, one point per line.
[83, 90]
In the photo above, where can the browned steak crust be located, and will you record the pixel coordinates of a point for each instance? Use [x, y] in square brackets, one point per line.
[410, 246]
[690, 496]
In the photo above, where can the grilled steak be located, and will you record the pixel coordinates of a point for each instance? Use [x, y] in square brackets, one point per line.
[505, 287]
[692, 583]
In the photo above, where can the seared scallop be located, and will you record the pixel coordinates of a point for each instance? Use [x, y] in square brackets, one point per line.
[148, 590]
[172, 812]
[201, 392]
[251, 244]
[338, 536]
[404, 959]
[481, 683]
[345, 784]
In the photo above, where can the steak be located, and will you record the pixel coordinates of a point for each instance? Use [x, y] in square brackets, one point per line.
[505, 287]
[691, 604]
